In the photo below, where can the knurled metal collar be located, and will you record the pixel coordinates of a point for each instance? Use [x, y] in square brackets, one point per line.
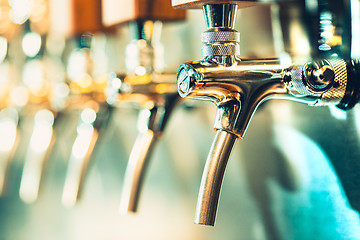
[220, 42]
[337, 92]
[220, 36]
[220, 49]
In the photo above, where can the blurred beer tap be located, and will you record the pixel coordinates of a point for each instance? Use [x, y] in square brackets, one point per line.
[155, 94]
[144, 86]
[15, 17]
[86, 72]
[39, 87]
[238, 86]
[88, 99]
[9, 117]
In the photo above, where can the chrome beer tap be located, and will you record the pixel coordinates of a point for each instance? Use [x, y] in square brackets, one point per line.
[87, 98]
[38, 88]
[80, 22]
[9, 114]
[238, 86]
[153, 92]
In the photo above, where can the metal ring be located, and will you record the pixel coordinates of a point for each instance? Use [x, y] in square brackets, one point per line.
[220, 36]
[220, 49]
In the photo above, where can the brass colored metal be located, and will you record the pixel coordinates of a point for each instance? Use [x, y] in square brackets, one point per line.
[212, 177]
[238, 86]
[156, 96]
[147, 88]
[88, 98]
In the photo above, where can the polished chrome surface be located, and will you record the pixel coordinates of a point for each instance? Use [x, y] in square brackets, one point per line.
[238, 86]
[81, 152]
[138, 160]
[156, 108]
[220, 39]
[87, 100]
[145, 87]
[144, 53]
[9, 119]
[247, 83]
[288, 179]
[212, 177]
[40, 144]
[220, 15]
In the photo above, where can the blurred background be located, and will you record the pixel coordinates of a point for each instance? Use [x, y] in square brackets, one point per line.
[294, 176]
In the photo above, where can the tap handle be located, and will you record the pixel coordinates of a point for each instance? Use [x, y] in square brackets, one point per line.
[118, 12]
[75, 17]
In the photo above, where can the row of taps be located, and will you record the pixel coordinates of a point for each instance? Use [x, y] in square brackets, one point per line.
[327, 76]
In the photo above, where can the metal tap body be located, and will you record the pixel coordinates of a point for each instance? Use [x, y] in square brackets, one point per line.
[88, 100]
[147, 88]
[238, 86]
[156, 98]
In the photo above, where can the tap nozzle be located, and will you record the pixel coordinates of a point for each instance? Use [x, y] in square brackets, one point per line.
[138, 160]
[151, 124]
[90, 129]
[41, 142]
[211, 180]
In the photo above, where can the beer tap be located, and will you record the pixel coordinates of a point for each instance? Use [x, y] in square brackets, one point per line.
[238, 86]
[87, 98]
[146, 87]
[80, 23]
[9, 115]
[39, 88]
[31, 95]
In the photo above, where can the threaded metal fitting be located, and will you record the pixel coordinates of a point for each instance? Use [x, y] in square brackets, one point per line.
[220, 42]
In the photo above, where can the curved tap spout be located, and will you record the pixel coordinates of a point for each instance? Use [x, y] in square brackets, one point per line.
[138, 161]
[9, 120]
[40, 145]
[90, 128]
[212, 177]
[151, 124]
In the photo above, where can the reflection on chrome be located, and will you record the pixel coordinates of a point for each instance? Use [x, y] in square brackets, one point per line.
[8, 139]
[31, 44]
[80, 155]
[153, 92]
[40, 144]
[238, 86]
